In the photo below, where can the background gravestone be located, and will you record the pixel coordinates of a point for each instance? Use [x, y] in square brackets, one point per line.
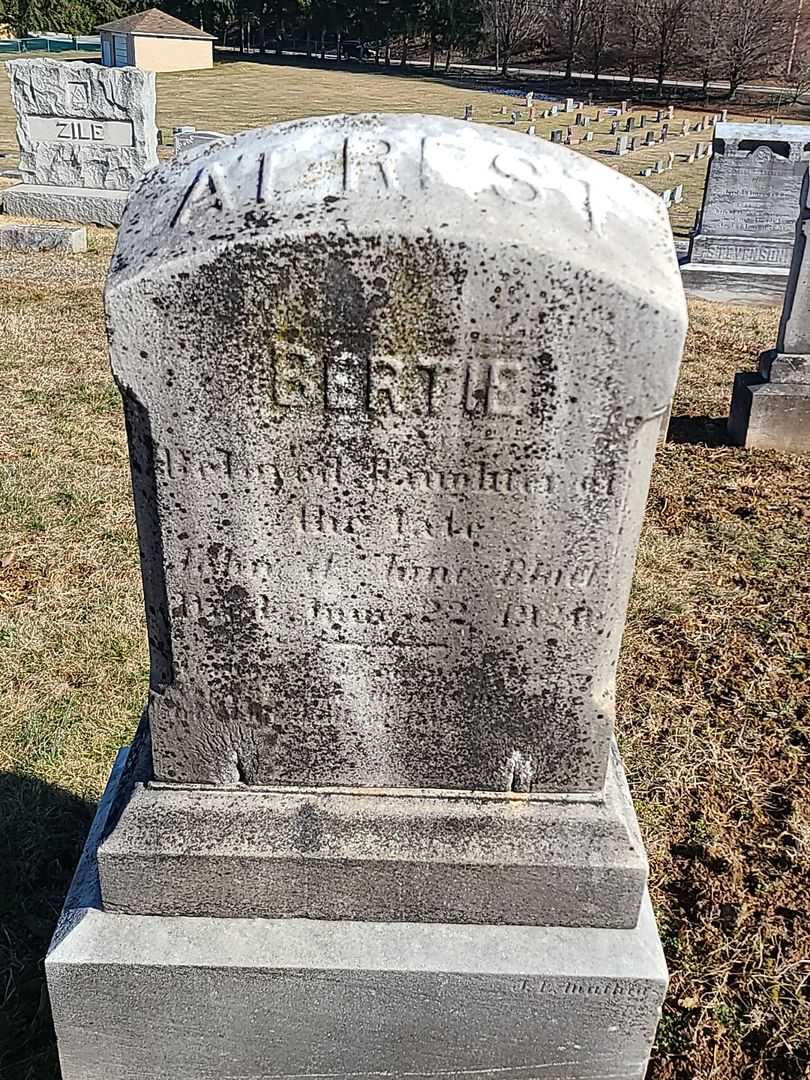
[742, 248]
[770, 410]
[86, 134]
[190, 141]
[392, 408]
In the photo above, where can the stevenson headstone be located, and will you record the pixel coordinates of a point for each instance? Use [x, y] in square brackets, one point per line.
[743, 246]
[770, 410]
[388, 507]
[87, 133]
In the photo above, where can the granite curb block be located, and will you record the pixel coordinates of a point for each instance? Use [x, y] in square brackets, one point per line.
[43, 238]
[95, 206]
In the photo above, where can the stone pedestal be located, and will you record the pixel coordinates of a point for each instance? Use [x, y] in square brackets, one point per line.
[770, 410]
[176, 998]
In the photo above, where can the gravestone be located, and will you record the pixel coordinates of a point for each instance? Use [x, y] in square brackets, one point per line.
[375, 821]
[87, 134]
[468, 112]
[569, 104]
[531, 129]
[770, 410]
[621, 145]
[670, 112]
[614, 127]
[666, 197]
[588, 136]
[649, 138]
[747, 225]
[633, 143]
[530, 99]
[677, 194]
[659, 166]
[190, 141]
[685, 127]
[556, 135]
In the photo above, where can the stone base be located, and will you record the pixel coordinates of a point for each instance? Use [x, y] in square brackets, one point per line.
[770, 415]
[409, 856]
[735, 284]
[95, 206]
[177, 998]
[43, 238]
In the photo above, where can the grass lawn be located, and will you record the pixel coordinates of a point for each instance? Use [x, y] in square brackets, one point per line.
[235, 95]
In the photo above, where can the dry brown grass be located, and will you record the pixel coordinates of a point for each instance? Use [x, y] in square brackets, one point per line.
[238, 94]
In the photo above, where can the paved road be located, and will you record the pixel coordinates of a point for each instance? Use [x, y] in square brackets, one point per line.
[540, 73]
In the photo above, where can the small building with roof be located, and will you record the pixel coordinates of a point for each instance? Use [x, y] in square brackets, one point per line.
[155, 41]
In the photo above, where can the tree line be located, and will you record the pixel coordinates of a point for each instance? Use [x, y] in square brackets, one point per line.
[734, 40]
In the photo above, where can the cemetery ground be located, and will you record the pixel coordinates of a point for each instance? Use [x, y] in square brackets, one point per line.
[712, 712]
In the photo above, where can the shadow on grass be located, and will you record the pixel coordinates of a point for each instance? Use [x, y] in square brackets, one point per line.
[42, 829]
[699, 430]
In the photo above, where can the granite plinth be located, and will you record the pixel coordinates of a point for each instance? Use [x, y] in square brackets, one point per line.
[93, 206]
[735, 285]
[388, 856]
[770, 415]
[212, 999]
[42, 238]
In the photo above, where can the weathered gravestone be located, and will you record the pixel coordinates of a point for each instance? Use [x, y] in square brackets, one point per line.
[745, 237]
[87, 133]
[191, 141]
[392, 389]
[771, 410]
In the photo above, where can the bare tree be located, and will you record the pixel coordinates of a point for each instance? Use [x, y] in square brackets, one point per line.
[565, 22]
[755, 42]
[511, 24]
[706, 32]
[597, 33]
[631, 34]
[668, 21]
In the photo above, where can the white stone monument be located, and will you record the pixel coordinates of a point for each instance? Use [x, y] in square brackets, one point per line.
[390, 459]
[87, 133]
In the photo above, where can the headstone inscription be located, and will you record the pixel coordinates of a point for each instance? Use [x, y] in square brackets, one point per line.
[386, 554]
[770, 410]
[87, 133]
[748, 220]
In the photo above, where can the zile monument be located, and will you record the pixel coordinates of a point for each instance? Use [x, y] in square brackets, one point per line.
[392, 388]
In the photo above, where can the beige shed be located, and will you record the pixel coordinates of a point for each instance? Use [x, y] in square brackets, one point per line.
[155, 41]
